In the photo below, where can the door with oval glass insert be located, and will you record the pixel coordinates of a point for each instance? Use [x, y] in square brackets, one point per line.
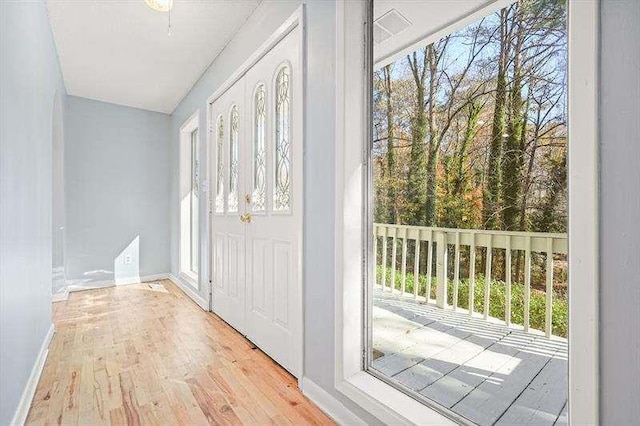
[274, 236]
[229, 232]
[269, 208]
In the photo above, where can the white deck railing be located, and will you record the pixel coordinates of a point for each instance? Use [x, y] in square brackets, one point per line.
[528, 242]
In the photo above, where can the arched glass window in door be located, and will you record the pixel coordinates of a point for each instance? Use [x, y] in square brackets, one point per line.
[282, 190]
[232, 201]
[259, 151]
[220, 165]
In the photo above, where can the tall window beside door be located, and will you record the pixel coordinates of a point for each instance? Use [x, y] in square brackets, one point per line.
[189, 200]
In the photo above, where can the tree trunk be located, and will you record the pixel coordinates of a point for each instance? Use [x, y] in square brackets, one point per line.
[417, 179]
[392, 213]
[491, 196]
[513, 152]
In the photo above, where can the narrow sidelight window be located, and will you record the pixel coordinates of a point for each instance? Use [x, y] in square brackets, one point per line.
[220, 165]
[282, 190]
[232, 202]
[259, 151]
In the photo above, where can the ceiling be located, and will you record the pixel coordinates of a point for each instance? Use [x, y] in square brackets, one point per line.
[119, 51]
[426, 21]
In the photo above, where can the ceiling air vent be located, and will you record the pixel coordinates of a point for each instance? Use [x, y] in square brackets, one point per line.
[389, 24]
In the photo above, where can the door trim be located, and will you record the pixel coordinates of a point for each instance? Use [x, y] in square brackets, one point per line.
[297, 19]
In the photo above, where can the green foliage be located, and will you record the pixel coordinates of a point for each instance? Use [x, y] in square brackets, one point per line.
[497, 299]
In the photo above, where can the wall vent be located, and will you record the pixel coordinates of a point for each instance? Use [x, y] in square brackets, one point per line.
[389, 24]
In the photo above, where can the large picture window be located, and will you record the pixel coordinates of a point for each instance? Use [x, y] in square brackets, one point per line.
[468, 269]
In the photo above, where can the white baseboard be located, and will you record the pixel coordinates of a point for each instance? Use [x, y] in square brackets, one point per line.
[328, 404]
[143, 279]
[183, 285]
[60, 297]
[22, 411]
[110, 283]
[189, 291]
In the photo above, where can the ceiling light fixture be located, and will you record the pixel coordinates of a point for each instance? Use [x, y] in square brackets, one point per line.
[162, 6]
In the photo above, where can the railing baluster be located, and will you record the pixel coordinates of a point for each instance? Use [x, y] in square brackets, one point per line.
[416, 267]
[441, 270]
[456, 272]
[384, 257]
[548, 319]
[429, 264]
[394, 251]
[527, 282]
[438, 241]
[487, 277]
[472, 272]
[404, 262]
[375, 254]
[507, 272]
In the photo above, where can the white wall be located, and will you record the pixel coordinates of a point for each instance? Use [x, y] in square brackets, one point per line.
[29, 80]
[620, 212]
[117, 172]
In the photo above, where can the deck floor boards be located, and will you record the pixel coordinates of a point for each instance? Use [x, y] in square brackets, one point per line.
[483, 370]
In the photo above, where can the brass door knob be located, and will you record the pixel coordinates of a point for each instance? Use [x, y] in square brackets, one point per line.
[246, 218]
[247, 198]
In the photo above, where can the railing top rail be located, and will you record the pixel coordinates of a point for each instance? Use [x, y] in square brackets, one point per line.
[477, 231]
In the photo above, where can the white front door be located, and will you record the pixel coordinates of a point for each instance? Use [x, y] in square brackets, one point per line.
[229, 231]
[264, 234]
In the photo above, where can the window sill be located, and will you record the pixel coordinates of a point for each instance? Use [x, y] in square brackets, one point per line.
[388, 404]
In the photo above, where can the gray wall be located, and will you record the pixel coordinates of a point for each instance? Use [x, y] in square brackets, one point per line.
[58, 215]
[29, 80]
[620, 212]
[117, 172]
[319, 168]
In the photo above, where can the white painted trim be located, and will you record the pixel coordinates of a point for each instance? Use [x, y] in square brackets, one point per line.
[111, 283]
[444, 30]
[583, 201]
[61, 297]
[22, 411]
[376, 396]
[184, 180]
[191, 123]
[189, 291]
[388, 404]
[328, 404]
[297, 18]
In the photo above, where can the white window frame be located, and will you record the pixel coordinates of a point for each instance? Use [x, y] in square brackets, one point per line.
[185, 177]
[382, 400]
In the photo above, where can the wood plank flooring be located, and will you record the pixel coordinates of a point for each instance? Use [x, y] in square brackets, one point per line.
[145, 355]
[485, 371]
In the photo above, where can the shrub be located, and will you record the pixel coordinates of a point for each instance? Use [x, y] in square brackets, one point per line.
[497, 299]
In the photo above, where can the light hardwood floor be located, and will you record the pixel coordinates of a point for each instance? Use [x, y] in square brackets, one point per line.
[141, 355]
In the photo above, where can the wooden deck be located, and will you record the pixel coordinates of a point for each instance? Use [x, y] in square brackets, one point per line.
[481, 370]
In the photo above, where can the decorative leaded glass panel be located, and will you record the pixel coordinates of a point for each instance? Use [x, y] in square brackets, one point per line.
[220, 167]
[282, 190]
[232, 201]
[259, 152]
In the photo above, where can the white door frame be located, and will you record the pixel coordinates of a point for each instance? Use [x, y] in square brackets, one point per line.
[382, 400]
[297, 19]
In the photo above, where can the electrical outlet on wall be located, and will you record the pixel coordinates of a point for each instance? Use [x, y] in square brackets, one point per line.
[128, 259]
